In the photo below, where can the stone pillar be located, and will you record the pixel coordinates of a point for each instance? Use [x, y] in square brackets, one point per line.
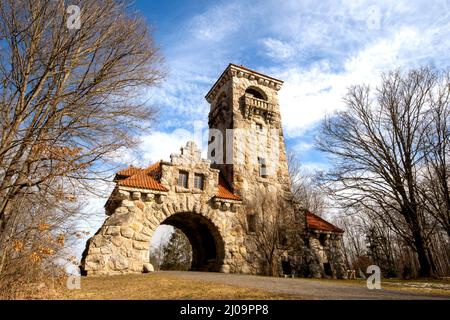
[121, 245]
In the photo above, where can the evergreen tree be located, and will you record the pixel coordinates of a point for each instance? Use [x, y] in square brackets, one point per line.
[177, 252]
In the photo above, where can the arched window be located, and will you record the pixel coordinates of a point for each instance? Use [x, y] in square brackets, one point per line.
[256, 93]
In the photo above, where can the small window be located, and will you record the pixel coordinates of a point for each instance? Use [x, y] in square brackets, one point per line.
[183, 179]
[251, 222]
[198, 181]
[323, 239]
[259, 127]
[262, 167]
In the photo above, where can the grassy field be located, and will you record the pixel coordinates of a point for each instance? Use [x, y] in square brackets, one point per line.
[164, 286]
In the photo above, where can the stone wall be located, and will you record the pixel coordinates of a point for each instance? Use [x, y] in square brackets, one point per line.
[327, 249]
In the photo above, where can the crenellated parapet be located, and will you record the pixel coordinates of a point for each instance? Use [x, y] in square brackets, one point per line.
[242, 72]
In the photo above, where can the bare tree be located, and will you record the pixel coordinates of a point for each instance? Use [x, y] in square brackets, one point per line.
[353, 238]
[378, 148]
[157, 252]
[70, 98]
[36, 245]
[436, 186]
[267, 223]
[304, 189]
[368, 240]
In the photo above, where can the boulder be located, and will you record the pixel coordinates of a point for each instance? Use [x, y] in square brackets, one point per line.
[148, 267]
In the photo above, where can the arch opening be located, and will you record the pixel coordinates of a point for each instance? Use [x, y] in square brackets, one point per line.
[170, 249]
[256, 93]
[204, 237]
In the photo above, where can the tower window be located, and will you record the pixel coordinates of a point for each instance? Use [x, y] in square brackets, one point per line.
[251, 223]
[262, 167]
[259, 127]
[199, 181]
[183, 179]
[255, 93]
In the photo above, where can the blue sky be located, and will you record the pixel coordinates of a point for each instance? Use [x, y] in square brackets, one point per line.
[318, 48]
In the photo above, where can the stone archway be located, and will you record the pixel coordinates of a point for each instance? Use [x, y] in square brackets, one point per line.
[205, 239]
[122, 244]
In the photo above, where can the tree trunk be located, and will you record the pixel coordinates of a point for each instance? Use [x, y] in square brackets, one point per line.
[425, 269]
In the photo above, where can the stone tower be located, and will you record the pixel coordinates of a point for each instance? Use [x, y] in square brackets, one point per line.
[214, 201]
[246, 140]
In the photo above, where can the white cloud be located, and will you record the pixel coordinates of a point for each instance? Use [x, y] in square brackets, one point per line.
[159, 145]
[303, 146]
[312, 167]
[309, 94]
[181, 98]
[217, 22]
[161, 235]
[318, 49]
[278, 50]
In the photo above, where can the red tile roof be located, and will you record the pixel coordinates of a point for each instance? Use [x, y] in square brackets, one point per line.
[128, 172]
[149, 178]
[317, 223]
[141, 178]
[154, 170]
[224, 191]
[142, 181]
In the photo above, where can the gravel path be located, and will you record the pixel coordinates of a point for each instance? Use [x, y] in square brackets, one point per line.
[304, 288]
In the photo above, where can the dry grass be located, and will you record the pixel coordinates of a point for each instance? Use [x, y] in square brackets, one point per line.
[30, 291]
[428, 286]
[157, 286]
[420, 286]
[164, 286]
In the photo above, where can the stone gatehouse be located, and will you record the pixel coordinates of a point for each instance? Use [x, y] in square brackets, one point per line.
[208, 198]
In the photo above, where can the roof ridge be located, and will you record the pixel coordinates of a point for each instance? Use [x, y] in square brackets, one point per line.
[328, 224]
[129, 171]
